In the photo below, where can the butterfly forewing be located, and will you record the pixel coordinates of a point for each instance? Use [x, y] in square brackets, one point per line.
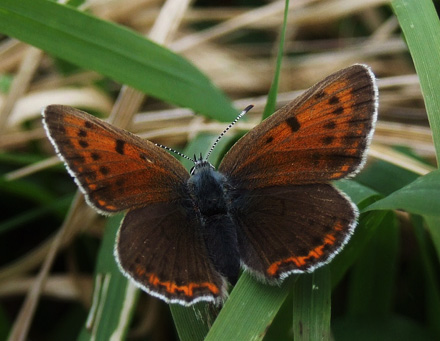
[322, 135]
[292, 229]
[115, 169]
[159, 246]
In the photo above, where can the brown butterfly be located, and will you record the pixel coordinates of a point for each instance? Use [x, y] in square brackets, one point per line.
[269, 208]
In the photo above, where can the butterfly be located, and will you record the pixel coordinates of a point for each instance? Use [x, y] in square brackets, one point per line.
[269, 208]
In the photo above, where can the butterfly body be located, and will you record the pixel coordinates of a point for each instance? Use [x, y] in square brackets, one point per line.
[211, 198]
[270, 208]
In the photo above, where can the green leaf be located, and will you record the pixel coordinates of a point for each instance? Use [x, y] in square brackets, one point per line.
[420, 24]
[114, 296]
[249, 310]
[430, 271]
[384, 177]
[421, 197]
[114, 51]
[312, 306]
[273, 92]
[433, 224]
[367, 295]
[368, 224]
[193, 323]
[356, 191]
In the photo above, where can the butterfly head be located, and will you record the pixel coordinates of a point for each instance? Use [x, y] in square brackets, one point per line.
[200, 163]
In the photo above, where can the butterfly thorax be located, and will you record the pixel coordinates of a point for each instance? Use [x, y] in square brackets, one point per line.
[209, 192]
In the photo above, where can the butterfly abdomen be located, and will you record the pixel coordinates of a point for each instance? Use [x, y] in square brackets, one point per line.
[211, 201]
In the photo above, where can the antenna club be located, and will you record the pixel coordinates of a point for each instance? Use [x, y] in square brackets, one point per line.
[249, 107]
[201, 160]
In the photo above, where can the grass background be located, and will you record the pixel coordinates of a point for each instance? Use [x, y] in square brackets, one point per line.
[57, 274]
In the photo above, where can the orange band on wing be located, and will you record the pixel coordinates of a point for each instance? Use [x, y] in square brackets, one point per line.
[172, 287]
[316, 253]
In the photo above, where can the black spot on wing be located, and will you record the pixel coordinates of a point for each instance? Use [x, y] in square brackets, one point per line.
[333, 100]
[95, 156]
[120, 144]
[77, 158]
[328, 140]
[330, 125]
[104, 170]
[83, 143]
[338, 111]
[293, 123]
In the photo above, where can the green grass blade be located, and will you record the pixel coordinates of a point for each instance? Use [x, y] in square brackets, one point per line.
[356, 191]
[420, 197]
[272, 96]
[433, 224]
[114, 296]
[114, 51]
[367, 226]
[249, 310]
[430, 271]
[192, 323]
[366, 295]
[420, 24]
[312, 306]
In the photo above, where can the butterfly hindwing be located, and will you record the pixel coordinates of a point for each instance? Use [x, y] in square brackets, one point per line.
[115, 169]
[160, 247]
[322, 135]
[292, 229]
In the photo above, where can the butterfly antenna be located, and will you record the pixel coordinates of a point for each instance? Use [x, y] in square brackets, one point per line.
[249, 107]
[175, 152]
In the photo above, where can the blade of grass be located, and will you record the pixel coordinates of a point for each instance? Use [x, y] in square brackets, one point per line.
[420, 24]
[367, 226]
[114, 51]
[249, 310]
[193, 323]
[433, 224]
[312, 306]
[367, 295]
[272, 96]
[432, 288]
[110, 316]
[420, 197]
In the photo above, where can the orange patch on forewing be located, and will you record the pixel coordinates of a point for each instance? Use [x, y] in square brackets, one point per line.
[335, 87]
[172, 287]
[300, 261]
